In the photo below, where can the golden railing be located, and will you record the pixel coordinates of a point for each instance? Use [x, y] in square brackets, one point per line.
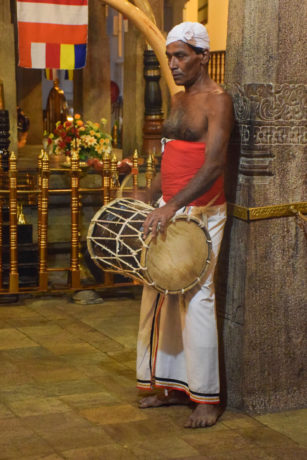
[216, 67]
[13, 195]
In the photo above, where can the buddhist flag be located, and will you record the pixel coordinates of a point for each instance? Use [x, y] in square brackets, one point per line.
[52, 33]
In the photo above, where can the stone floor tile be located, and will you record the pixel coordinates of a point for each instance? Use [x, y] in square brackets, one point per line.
[76, 438]
[236, 420]
[123, 356]
[18, 441]
[265, 437]
[5, 412]
[141, 430]
[253, 453]
[70, 387]
[287, 453]
[290, 423]
[167, 447]
[71, 349]
[17, 312]
[208, 441]
[108, 415]
[11, 378]
[23, 391]
[57, 375]
[11, 338]
[54, 456]
[89, 400]
[49, 333]
[28, 354]
[105, 452]
[38, 406]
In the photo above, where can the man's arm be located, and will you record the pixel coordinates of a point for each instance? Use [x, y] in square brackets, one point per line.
[220, 122]
[155, 189]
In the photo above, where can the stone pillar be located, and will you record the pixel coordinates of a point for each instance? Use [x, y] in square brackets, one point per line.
[133, 107]
[7, 68]
[96, 100]
[261, 286]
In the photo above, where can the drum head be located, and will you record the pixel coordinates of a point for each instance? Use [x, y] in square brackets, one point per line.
[177, 260]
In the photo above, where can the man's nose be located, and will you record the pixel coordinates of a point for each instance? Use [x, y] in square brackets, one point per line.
[172, 62]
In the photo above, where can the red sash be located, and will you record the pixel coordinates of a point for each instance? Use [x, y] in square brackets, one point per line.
[180, 162]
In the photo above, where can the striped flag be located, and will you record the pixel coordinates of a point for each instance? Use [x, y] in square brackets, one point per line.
[52, 33]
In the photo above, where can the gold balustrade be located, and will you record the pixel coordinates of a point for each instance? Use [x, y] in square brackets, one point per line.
[11, 192]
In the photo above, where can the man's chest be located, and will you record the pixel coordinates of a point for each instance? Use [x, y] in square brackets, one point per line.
[187, 122]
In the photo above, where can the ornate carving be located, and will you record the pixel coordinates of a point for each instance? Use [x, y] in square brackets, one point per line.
[269, 102]
[267, 115]
[272, 135]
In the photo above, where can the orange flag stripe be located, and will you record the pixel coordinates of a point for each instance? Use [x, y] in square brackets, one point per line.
[52, 33]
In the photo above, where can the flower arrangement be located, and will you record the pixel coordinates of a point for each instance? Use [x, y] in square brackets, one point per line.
[90, 138]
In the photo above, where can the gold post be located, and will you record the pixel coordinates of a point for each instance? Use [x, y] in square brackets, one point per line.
[39, 186]
[108, 277]
[14, 277]
[150, 170]
[106, 178]
[135, 168]
[1, 185]
[114, 183]
[75, 262]
[43, 221]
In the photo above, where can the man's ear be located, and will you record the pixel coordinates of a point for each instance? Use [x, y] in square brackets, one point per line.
[205, 57]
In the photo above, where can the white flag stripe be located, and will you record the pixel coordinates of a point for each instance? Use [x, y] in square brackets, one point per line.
[38, 55]
[49, 13]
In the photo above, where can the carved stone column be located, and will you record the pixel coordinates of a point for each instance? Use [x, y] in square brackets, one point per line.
[261, 286]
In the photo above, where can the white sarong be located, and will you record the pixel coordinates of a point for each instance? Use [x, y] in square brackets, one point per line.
[177, 342]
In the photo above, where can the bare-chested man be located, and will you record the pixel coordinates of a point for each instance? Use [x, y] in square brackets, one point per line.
[177, 341]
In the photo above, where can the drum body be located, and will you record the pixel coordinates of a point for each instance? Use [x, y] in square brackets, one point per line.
[172, 263]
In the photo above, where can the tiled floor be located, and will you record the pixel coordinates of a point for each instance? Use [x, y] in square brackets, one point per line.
[67, 391]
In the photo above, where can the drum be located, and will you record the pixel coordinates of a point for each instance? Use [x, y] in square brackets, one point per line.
[172, 263]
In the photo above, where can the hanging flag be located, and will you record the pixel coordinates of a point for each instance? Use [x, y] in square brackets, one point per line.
[52, 33]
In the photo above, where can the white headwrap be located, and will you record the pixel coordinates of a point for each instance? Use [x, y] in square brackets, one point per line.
[193, 33]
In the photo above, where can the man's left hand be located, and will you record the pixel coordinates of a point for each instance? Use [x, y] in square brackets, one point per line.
[156, 221]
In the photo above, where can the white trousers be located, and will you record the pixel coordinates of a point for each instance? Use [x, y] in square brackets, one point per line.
[177, 342]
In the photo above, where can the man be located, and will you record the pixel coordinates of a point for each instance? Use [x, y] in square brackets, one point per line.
[177, 341]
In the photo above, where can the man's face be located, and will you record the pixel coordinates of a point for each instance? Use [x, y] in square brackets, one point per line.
[184, 63]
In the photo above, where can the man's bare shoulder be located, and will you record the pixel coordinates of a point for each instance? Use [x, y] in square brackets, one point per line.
[216, 95]
[219, 102]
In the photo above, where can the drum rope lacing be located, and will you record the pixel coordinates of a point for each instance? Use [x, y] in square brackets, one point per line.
[123, 222]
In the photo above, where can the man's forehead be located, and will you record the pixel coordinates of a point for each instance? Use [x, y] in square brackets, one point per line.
[177, 46]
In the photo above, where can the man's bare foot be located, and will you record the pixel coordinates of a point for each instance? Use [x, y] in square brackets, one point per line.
[173, 398]
[204, 415]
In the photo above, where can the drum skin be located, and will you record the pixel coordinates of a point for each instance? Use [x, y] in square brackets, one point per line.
[178, 259]
[172, 263]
